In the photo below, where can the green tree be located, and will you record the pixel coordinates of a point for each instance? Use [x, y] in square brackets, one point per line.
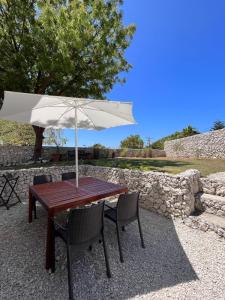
[132, 142]
[218, 125]
[55, 137]
[13, 133]
[98, 146]
[71, 48]
[187, 131]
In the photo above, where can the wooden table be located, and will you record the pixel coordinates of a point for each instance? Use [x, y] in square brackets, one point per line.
[59, 196]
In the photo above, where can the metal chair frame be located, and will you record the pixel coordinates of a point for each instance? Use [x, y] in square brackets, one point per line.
[11, 183]
[68, 176]
[84, 227]
[39, 179]
[123, 215]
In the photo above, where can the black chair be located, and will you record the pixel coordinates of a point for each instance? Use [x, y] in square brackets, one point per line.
[84, 227]
[70, 155]
[39, 179]
[68, 176]
[8, 190]
[126, 212]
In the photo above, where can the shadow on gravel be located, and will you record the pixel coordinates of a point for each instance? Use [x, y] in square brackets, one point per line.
[22, 251]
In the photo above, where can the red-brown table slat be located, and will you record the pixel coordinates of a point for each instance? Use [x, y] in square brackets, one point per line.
[61, 195]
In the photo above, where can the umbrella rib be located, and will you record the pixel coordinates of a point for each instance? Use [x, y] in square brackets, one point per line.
[96, 109]
[78, 99]
[81, 109]
[68, 109]
[47, 106]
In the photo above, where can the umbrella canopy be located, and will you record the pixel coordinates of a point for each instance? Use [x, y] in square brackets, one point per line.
[65, 112]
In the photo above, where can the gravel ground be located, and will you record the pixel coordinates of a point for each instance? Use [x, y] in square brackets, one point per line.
[178, 262]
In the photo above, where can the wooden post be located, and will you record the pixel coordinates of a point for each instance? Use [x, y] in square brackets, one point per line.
[30, 207]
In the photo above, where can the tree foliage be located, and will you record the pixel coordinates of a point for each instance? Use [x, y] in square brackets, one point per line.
[13, 133]
[218, 125]
[98, 146]
[132, 142]
[72, 48]
[187, 131]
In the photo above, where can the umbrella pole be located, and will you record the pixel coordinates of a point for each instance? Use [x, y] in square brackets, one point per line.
[76, 149]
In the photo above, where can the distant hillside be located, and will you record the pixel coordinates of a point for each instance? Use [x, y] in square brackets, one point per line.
[188, 131]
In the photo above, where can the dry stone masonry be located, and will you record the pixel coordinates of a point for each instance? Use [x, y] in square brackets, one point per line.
[15, 155]
[205, 145]
[210, 205]
[183, 195]
[168, 195]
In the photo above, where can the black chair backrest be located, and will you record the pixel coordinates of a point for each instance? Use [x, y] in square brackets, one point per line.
[127, 207]
[40, 179]
[69, 175]
[85, 224]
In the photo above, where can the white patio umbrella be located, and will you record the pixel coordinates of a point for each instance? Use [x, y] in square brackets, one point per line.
[65, 112]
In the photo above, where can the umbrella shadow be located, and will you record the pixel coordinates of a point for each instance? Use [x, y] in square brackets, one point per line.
[162, 264]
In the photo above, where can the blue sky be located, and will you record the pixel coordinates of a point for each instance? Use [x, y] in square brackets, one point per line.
[178, 74]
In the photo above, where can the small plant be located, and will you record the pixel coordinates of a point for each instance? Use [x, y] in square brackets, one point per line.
[218, 125]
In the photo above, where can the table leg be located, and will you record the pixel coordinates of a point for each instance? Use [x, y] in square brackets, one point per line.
[50, 256]
[30, 207]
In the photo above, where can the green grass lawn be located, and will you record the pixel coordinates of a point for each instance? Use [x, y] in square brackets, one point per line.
[174, 166]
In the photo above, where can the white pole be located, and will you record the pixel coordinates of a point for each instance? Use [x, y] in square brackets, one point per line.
[76, 149]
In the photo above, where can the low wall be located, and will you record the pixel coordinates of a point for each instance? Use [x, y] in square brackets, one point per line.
[205, 145]
[212, 186]
[143, 153]
[168, 195]
[26, 177]
[16, 155]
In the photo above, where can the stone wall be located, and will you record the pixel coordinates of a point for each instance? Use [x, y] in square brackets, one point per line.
[212, 186]
[143, 153]
[168, 195]
[205, 145]
[17, 155]
[26, 176]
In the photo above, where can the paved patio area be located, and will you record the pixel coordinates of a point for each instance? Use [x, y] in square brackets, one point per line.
[178, 262]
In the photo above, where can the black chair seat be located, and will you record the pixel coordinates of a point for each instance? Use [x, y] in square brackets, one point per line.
[68, 176]
[39, 179]
[126, 212]
[110, 213]
[84, 226]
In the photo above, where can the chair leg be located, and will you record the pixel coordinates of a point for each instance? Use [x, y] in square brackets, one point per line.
[34, 209]
[141, 235]
[70, 282]
[108, 272]
[53, 250]
[119, 243]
